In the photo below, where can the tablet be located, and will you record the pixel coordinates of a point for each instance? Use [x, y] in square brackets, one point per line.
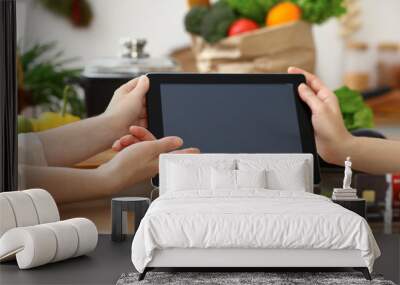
[232, 113]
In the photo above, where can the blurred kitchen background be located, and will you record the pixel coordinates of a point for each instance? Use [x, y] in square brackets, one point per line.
[73, 53]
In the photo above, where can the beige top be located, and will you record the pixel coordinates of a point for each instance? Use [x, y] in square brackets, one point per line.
[30, 152]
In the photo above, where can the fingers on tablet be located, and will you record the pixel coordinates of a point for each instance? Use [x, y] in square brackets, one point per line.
[308, 96]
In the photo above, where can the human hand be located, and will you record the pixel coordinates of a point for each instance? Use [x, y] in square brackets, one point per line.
[140, 134]
[136, 135]
[139, 160]
[329, 129]
[128, 104]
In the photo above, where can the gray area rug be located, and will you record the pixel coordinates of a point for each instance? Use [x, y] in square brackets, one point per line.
[232, 278]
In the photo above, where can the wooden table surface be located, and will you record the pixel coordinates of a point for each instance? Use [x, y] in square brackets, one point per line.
[97, 160]
[386, 108]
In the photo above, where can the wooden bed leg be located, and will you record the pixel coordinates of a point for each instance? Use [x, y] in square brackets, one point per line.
[143, 274]
[364, 271]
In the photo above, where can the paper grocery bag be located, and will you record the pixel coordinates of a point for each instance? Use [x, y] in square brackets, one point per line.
[266, 50]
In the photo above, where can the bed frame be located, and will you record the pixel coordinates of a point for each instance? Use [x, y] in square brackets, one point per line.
[242, 259]
[249, 259]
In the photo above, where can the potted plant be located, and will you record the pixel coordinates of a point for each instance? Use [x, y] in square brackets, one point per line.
[44, 87]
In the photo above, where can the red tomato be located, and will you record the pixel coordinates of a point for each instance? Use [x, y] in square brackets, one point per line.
[242, 26]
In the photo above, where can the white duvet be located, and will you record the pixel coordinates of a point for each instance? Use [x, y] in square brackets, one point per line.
[250, 219]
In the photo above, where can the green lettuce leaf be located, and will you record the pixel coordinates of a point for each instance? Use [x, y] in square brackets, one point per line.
[356, 114]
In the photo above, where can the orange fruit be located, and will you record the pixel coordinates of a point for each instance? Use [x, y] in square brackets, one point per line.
[282, 13]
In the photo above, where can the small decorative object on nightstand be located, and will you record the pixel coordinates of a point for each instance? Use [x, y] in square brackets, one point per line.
[345, 193]
[357, 206]
[138, 205]
[347, 196]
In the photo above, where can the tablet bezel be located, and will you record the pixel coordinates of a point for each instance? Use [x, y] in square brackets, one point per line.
[154, 109]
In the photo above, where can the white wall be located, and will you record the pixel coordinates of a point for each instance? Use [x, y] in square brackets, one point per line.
[160, 21]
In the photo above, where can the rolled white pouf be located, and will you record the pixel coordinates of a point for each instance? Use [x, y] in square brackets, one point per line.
[40, 244]
[87, 235]
[67, 240]
[7, 218]
[33, 246]
[45, 205]
[23, 208]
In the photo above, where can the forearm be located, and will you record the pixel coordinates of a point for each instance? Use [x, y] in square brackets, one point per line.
[68, 184]
[371, 155]
[73, 143]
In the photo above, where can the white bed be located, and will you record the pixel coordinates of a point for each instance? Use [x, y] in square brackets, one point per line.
[194, 223]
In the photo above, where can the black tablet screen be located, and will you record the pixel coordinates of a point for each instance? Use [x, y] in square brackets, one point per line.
[232, 118]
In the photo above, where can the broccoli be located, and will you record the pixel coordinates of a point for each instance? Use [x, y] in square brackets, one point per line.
[318, 11]
[194, 19]
[217, 21]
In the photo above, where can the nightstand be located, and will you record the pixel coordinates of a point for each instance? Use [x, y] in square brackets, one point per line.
[119, 207]
[357, 206]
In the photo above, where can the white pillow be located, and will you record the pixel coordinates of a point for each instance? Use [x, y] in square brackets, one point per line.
[188, 177]
[236, 179]
[251, 178]
[291, 175]
[223, 179]
[183, 176]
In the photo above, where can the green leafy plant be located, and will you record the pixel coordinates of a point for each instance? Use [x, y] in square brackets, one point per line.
[356, 113]
[251, 9]
[45, 78]
[267, 4]
[318, 11]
